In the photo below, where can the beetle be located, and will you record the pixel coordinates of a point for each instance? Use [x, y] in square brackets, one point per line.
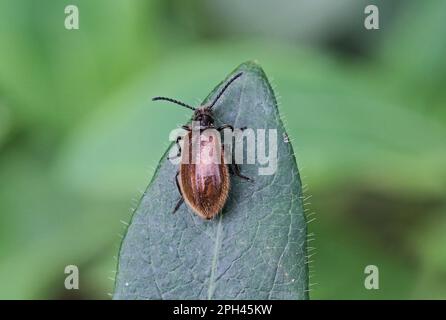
[204, 185]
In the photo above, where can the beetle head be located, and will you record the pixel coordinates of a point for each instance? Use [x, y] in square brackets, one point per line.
[204, 116]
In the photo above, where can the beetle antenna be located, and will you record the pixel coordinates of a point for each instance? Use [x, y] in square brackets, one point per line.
[173, 101]
[224, 88]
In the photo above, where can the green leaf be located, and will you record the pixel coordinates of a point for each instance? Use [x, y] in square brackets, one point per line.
[255, 249]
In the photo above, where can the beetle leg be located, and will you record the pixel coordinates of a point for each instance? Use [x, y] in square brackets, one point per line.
[177, 142]
[225, 126]
[186, 127]
[236, 171]
[178, 184]
[181, 200]
[234, 167]
[177, 206]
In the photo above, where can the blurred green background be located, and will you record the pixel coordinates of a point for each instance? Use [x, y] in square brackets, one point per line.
[79, 136]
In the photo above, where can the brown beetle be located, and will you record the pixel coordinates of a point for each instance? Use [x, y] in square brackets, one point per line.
[204, 185]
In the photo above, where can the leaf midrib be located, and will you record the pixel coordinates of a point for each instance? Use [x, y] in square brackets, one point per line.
[217, 247]
[212, 281]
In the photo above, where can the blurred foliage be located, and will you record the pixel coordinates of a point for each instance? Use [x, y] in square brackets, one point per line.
[79, 136]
